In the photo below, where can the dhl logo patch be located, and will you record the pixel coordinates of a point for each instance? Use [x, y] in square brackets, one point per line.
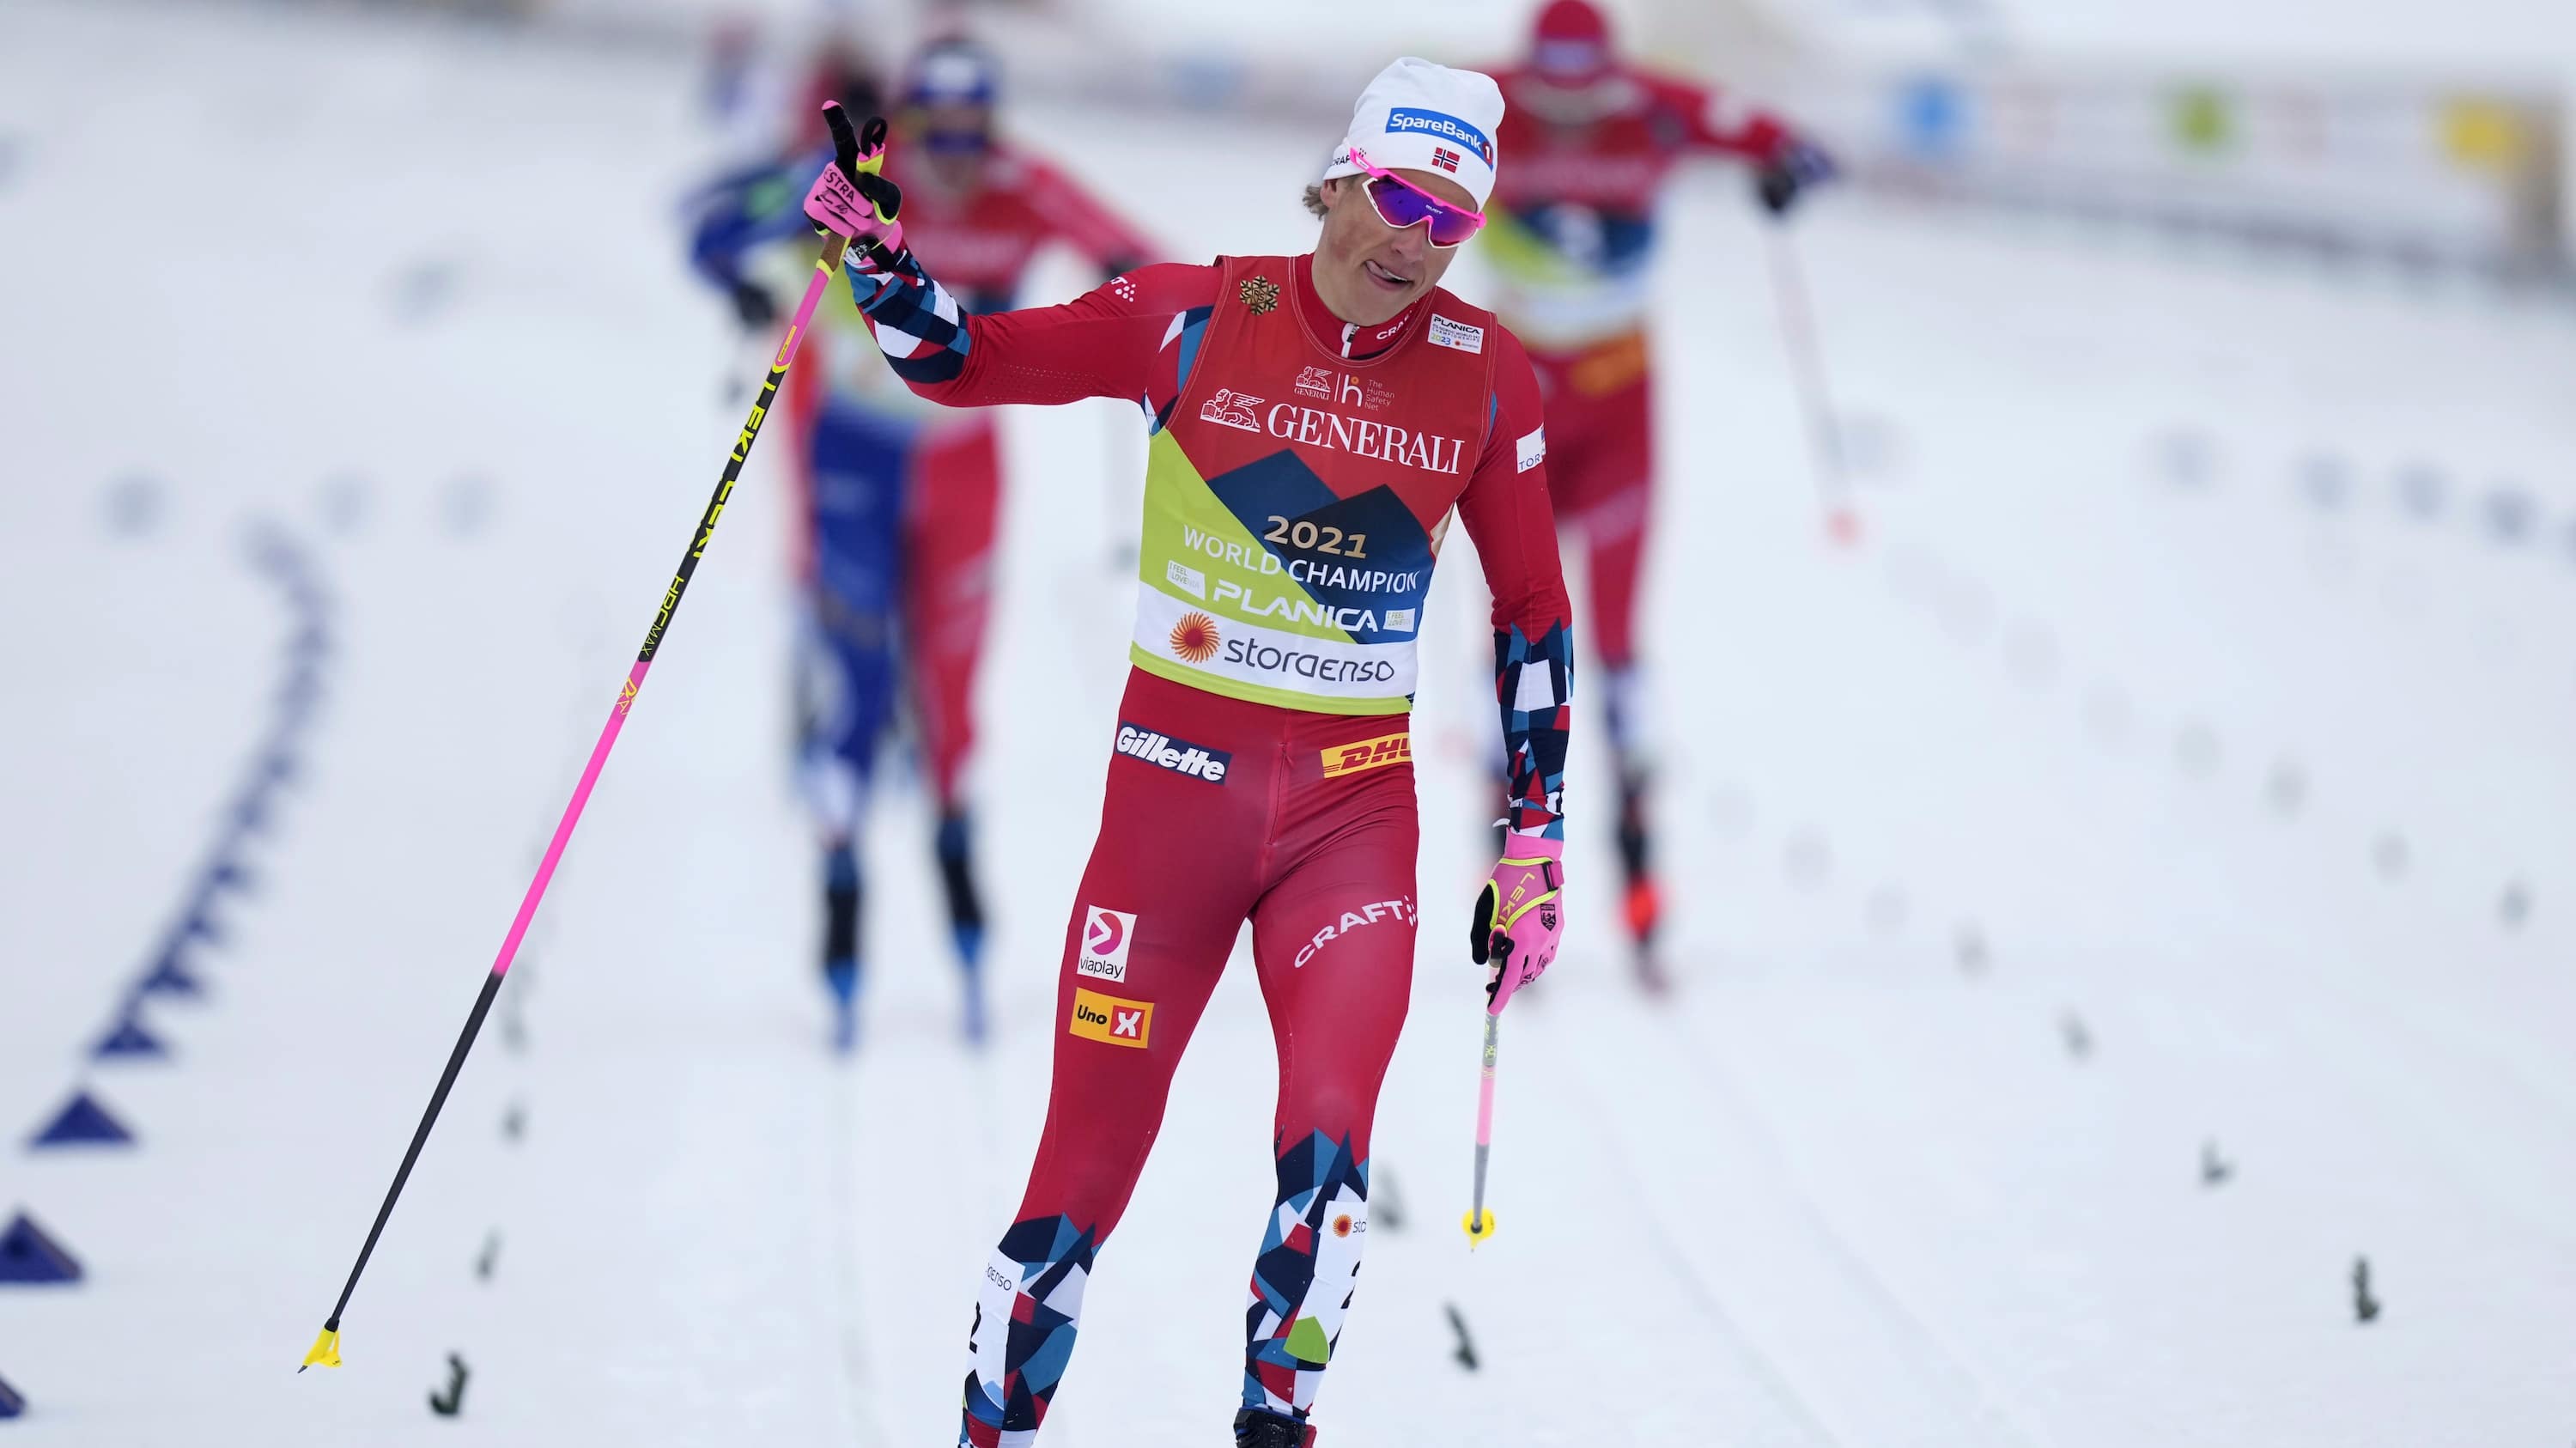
[1368, 754]
[1108, 1019]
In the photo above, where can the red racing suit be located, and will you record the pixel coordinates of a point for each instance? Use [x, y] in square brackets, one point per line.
[1301, 474]
[1571, 242]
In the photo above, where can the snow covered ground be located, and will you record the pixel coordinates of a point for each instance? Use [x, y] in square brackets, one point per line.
[2181, 763]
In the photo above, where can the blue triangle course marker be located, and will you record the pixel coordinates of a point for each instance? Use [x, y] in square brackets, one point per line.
[11, 1405]
[28, 1256]
[202, 924]
[170, 977]
[129, 1040]
[83, 1122]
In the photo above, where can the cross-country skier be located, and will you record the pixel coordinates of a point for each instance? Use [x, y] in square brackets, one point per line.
[1313, 419]
[904, 497]
[1571, 247]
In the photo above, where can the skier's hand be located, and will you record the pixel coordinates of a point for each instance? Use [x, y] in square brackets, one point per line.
[1518, 917]
[851, 198]
[1793, 168]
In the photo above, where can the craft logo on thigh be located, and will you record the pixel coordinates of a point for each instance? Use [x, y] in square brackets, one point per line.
[1106, 934]
[1368, 754]
[1360, 917]
[1107, 1019]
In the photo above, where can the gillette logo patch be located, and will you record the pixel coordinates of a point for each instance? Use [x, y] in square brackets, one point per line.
[1177, 755]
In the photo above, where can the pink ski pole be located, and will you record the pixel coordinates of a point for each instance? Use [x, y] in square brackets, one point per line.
[1480, 1222]
[326, 1348]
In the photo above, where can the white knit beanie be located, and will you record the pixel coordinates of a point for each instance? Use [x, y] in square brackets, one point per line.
[1417, 116]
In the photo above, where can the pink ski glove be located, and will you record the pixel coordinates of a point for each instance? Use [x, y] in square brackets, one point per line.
[1518, 920]
[851, 198]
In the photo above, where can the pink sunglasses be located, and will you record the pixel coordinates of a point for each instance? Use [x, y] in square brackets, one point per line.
[1400, 203]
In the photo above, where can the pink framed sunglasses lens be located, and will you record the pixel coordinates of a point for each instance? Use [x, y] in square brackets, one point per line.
[1400, 203]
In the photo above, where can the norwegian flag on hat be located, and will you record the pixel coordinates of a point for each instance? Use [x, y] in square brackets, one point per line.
[1444, 158]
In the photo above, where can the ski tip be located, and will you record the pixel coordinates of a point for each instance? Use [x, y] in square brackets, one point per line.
[1478, 1225]
[326, 1350]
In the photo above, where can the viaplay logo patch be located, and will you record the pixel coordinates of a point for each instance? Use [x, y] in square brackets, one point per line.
[1404, 120]
[1106, 934]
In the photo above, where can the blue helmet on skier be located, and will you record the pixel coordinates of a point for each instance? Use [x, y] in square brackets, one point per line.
[951, 88]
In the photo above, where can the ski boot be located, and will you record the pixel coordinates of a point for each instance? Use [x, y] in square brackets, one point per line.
[1254, 1428]
[1643, 903]
[843, 978]
[965, 919]
[841, 946]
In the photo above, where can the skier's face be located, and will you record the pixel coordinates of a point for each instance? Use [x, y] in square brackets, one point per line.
[1368, 271]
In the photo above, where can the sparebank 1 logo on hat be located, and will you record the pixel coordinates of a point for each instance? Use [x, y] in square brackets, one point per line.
[1404, 119]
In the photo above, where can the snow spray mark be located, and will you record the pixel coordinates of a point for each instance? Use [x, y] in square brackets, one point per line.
[2107, 713]
[2287, 787]
[133, 504]
[1386, 1204]
[1970, 948]
[2515, 905]
[2196, 749]
[2423, 491]
[2030, 652]
[2214, 1169]
[452, 1401]
[1466, 1353]
[1807, 859]
[423, 289]
[2390, 854]
[465, 505]
[1967, 610]
[2510, 515]
[2186, 459]
[1885, 909]
[2325, 480]
[345, 500]
[1872, 446]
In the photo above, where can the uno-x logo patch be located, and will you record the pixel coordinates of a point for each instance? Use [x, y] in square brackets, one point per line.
[1368, 754]
[1111, 1021]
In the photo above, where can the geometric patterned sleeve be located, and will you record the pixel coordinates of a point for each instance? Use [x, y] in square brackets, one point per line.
[1534, 678]
[1505, 509]
[1104, 343]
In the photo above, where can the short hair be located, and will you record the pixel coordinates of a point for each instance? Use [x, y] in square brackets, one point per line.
[1314, 199]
